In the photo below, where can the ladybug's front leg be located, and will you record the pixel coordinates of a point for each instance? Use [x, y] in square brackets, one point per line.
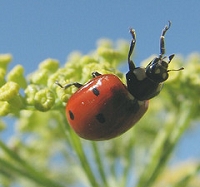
[95, 74]
[76, 84]
[162, 40]
[132, 45]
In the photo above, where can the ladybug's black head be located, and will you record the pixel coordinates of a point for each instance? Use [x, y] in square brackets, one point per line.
[146, 83]
[157, 69]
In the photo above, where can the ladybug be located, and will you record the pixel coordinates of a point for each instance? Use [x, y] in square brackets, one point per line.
[105, 108]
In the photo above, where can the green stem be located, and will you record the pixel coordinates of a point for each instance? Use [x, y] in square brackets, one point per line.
[21, 167]
[78, 148]
[127, 170]
[163, 146]
[128, 163]
[185, 180]
[19, 171]
[99, 164]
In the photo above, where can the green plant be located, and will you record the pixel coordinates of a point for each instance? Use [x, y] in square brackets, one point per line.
[44, 151]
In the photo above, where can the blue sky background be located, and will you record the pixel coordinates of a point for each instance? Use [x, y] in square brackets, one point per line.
[35, 30]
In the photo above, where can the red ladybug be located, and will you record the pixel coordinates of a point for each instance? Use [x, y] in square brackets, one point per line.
[105, 108]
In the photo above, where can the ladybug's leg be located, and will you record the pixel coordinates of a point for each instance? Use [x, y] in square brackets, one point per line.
[132, 45]
[76, 84]
[95, 74]
[162, 40]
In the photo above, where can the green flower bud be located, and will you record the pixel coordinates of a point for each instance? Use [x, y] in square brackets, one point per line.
[64, 94]
[30, 92]
[106, 43]
[40, 77]
[59, 75]
[73, 58]
[87, 60]
[44, 100]
[73, 65]
[123, 46]
[192, 70]
[5, 59]
[49, 64]
[10, 92]
[2, 76]
[4, 109]
[17, 75]
[109, 54]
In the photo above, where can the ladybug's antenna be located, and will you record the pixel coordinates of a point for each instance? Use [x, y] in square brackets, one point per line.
[76, 84]
[170, 59]
[162, 40]
[175, 69]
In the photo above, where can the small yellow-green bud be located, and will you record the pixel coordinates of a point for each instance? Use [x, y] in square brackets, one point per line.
[30, 92]
[123, 47]
[49, 64]
[8, 91]
[59, 75]
[63, 94]
[2, 76]
[87, 60]
[106, 43]
[17, 75]
[109, 54]
[40, 77]
[4, 108]
[44, 100]
[74, 58]
[5, 59]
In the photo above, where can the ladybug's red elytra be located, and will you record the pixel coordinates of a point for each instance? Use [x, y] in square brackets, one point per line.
[105, 108]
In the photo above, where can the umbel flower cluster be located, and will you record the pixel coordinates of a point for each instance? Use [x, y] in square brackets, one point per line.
[41, 130]
[39, 92]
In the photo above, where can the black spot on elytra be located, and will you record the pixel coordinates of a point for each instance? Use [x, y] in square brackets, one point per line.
[71, 115]
[95, 91]
[100, 117]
